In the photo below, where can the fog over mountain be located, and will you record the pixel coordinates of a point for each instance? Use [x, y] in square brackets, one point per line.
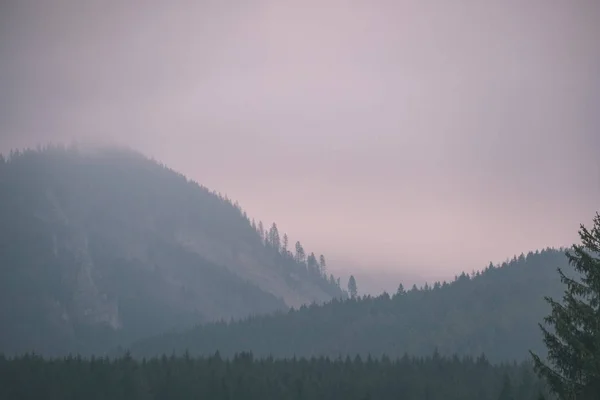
[413, 137]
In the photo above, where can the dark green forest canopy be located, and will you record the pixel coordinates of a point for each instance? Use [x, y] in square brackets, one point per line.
[495, 312]
[104, 246]
[243, 377]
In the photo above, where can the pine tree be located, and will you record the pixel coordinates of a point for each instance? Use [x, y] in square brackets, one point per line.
[400, 291]
[300, 254]
[274, 240]
[323, 264]
[352, 288]
[311, 262]
[574, 346]
[261, 230]
[285, 244]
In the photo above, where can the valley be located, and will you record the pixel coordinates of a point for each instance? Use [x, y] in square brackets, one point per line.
[111, 262]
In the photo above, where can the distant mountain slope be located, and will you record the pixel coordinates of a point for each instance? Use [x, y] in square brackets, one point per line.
[495, 312]
[99, 247]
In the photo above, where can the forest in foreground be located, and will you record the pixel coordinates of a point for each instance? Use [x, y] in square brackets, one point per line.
[243, 377]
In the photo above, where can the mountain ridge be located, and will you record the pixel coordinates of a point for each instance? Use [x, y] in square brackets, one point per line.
[107, 240]
[495, 312]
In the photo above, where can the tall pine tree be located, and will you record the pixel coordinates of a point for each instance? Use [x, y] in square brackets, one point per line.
[573, 366]
[352, 288]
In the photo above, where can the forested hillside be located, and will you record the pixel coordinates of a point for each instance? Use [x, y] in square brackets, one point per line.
[104, 246]
[495, 311]
[431, 378]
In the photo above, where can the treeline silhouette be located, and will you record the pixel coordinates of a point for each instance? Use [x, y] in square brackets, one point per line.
[495, 311]
[244, 377]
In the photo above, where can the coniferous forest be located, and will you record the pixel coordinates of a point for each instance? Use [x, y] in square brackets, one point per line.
[125, 288]
[495, 311]
[243, 377]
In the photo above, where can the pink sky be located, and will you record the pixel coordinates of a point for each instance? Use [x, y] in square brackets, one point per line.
[429, 136]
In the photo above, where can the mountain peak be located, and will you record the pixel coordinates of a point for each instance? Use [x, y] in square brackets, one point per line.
[105, 239]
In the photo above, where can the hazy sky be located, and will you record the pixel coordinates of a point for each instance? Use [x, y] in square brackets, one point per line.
[407, 134]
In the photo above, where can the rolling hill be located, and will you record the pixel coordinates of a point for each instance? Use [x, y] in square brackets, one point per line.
[100, 246]
[495, 312]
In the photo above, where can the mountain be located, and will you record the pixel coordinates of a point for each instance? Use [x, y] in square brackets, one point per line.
[100, 246]
[495, 312]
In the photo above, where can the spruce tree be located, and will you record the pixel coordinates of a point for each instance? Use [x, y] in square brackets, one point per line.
[323, 264]
[352, 288]
[573, 366]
